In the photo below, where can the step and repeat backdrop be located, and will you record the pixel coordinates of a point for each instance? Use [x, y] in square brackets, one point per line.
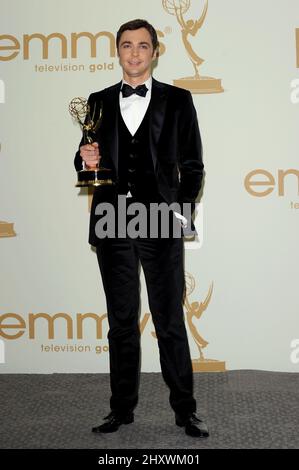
[240, 60]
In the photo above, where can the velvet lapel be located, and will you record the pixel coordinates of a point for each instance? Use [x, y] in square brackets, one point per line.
[157, 115]
[111, 122]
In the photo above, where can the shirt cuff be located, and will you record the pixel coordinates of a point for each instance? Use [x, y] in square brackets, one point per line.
[184, 221]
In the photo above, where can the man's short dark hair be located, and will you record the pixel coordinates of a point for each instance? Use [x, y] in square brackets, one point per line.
[137, 24]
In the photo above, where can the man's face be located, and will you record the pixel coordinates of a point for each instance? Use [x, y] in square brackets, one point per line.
[136, 54]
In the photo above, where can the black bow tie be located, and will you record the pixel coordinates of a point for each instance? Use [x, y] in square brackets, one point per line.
[127, 90]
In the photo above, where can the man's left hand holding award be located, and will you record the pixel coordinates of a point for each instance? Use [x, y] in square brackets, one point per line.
[91, 173]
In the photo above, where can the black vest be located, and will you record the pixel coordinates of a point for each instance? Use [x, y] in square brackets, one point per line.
[135, 164]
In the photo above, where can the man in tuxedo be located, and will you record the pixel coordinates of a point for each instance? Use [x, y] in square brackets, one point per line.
[149, 138]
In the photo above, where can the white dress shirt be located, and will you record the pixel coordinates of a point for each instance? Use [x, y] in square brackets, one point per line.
[134, 107]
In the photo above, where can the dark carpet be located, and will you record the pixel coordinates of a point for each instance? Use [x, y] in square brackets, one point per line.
[244, 409]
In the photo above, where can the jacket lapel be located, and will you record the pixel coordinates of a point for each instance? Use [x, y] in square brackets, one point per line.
[111, 122]
[157, 115]
[156, 119]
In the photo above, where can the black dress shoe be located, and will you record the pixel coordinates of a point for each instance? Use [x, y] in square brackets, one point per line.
[194, 426]
[113, 421]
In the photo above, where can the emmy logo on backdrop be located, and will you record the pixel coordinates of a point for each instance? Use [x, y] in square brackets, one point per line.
[196, 83]
[196, 309]
[89, 123]
[6, 229]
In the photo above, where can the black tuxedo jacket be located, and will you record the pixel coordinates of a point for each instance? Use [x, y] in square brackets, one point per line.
[175, 144]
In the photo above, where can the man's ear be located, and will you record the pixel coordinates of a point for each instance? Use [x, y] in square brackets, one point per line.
[156, 53]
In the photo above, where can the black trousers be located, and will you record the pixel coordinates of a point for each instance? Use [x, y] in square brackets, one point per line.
[162, 263]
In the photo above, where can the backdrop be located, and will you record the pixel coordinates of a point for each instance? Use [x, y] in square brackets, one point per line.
[242, 272]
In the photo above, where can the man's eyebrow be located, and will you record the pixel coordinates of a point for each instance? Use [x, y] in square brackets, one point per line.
[130, 42]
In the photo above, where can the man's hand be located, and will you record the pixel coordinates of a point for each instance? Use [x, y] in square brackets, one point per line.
[91, 155]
